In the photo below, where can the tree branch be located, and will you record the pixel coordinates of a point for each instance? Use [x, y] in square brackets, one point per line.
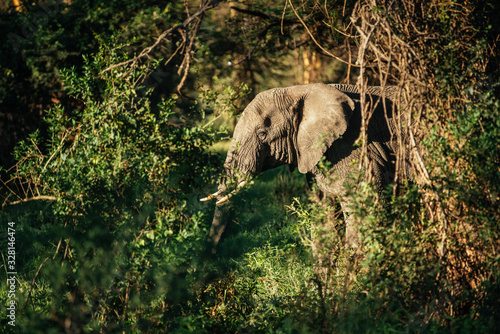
[35, 198]
[314, 39]
[251, 12]
[144, 53]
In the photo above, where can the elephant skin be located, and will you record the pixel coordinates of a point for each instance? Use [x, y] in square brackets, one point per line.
[299, 125]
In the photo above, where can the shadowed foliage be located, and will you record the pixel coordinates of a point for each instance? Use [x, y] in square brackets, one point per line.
[114, 120]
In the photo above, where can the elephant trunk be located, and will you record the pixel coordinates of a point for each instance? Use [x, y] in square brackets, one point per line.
[223, 211]
[222, 216]
[239, 169]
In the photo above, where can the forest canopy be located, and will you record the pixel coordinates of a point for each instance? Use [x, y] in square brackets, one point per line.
[115, 118]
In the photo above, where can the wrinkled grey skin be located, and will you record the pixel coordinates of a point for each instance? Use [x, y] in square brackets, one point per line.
[297, 126]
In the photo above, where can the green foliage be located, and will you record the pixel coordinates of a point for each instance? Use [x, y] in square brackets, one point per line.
[431, 254]
[116, 237]
[111, 236]
[52, 35]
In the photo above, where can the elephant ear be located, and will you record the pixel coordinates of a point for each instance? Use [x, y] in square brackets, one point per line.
[323, 117]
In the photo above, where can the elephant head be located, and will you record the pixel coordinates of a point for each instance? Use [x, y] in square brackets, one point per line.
[293, 126]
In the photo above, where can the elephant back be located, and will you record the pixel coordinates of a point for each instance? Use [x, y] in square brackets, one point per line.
[389, 92]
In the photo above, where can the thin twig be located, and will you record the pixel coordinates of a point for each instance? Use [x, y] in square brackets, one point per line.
[34, 278]
[159, 39]
[314, 39]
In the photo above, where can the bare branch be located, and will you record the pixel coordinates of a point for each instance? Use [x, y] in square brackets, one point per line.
[36, 198]
[251, 12]
[145, 53]
[314, 39]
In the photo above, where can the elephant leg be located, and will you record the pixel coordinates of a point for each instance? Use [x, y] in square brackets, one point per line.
[335, 187]
[310, 178]
[351, 229]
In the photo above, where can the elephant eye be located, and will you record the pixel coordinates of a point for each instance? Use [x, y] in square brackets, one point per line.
[262, 134]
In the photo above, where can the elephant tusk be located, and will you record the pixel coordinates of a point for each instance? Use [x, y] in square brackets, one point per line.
[209, 197]
[223, 199]
[228, 196]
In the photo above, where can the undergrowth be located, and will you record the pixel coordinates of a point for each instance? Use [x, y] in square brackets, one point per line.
[111, 236]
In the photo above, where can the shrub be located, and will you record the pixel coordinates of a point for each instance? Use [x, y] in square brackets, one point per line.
[107, 225]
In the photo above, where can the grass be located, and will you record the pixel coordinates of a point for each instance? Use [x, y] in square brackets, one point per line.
[220, 147]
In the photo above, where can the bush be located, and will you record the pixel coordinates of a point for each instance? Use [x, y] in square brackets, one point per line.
[110, 236]
[106, 219]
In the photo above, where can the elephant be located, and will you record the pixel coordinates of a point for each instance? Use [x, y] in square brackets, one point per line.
[298, 125]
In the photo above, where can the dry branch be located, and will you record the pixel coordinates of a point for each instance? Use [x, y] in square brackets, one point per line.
[314, 39]
[35, 198]
[186, 46]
